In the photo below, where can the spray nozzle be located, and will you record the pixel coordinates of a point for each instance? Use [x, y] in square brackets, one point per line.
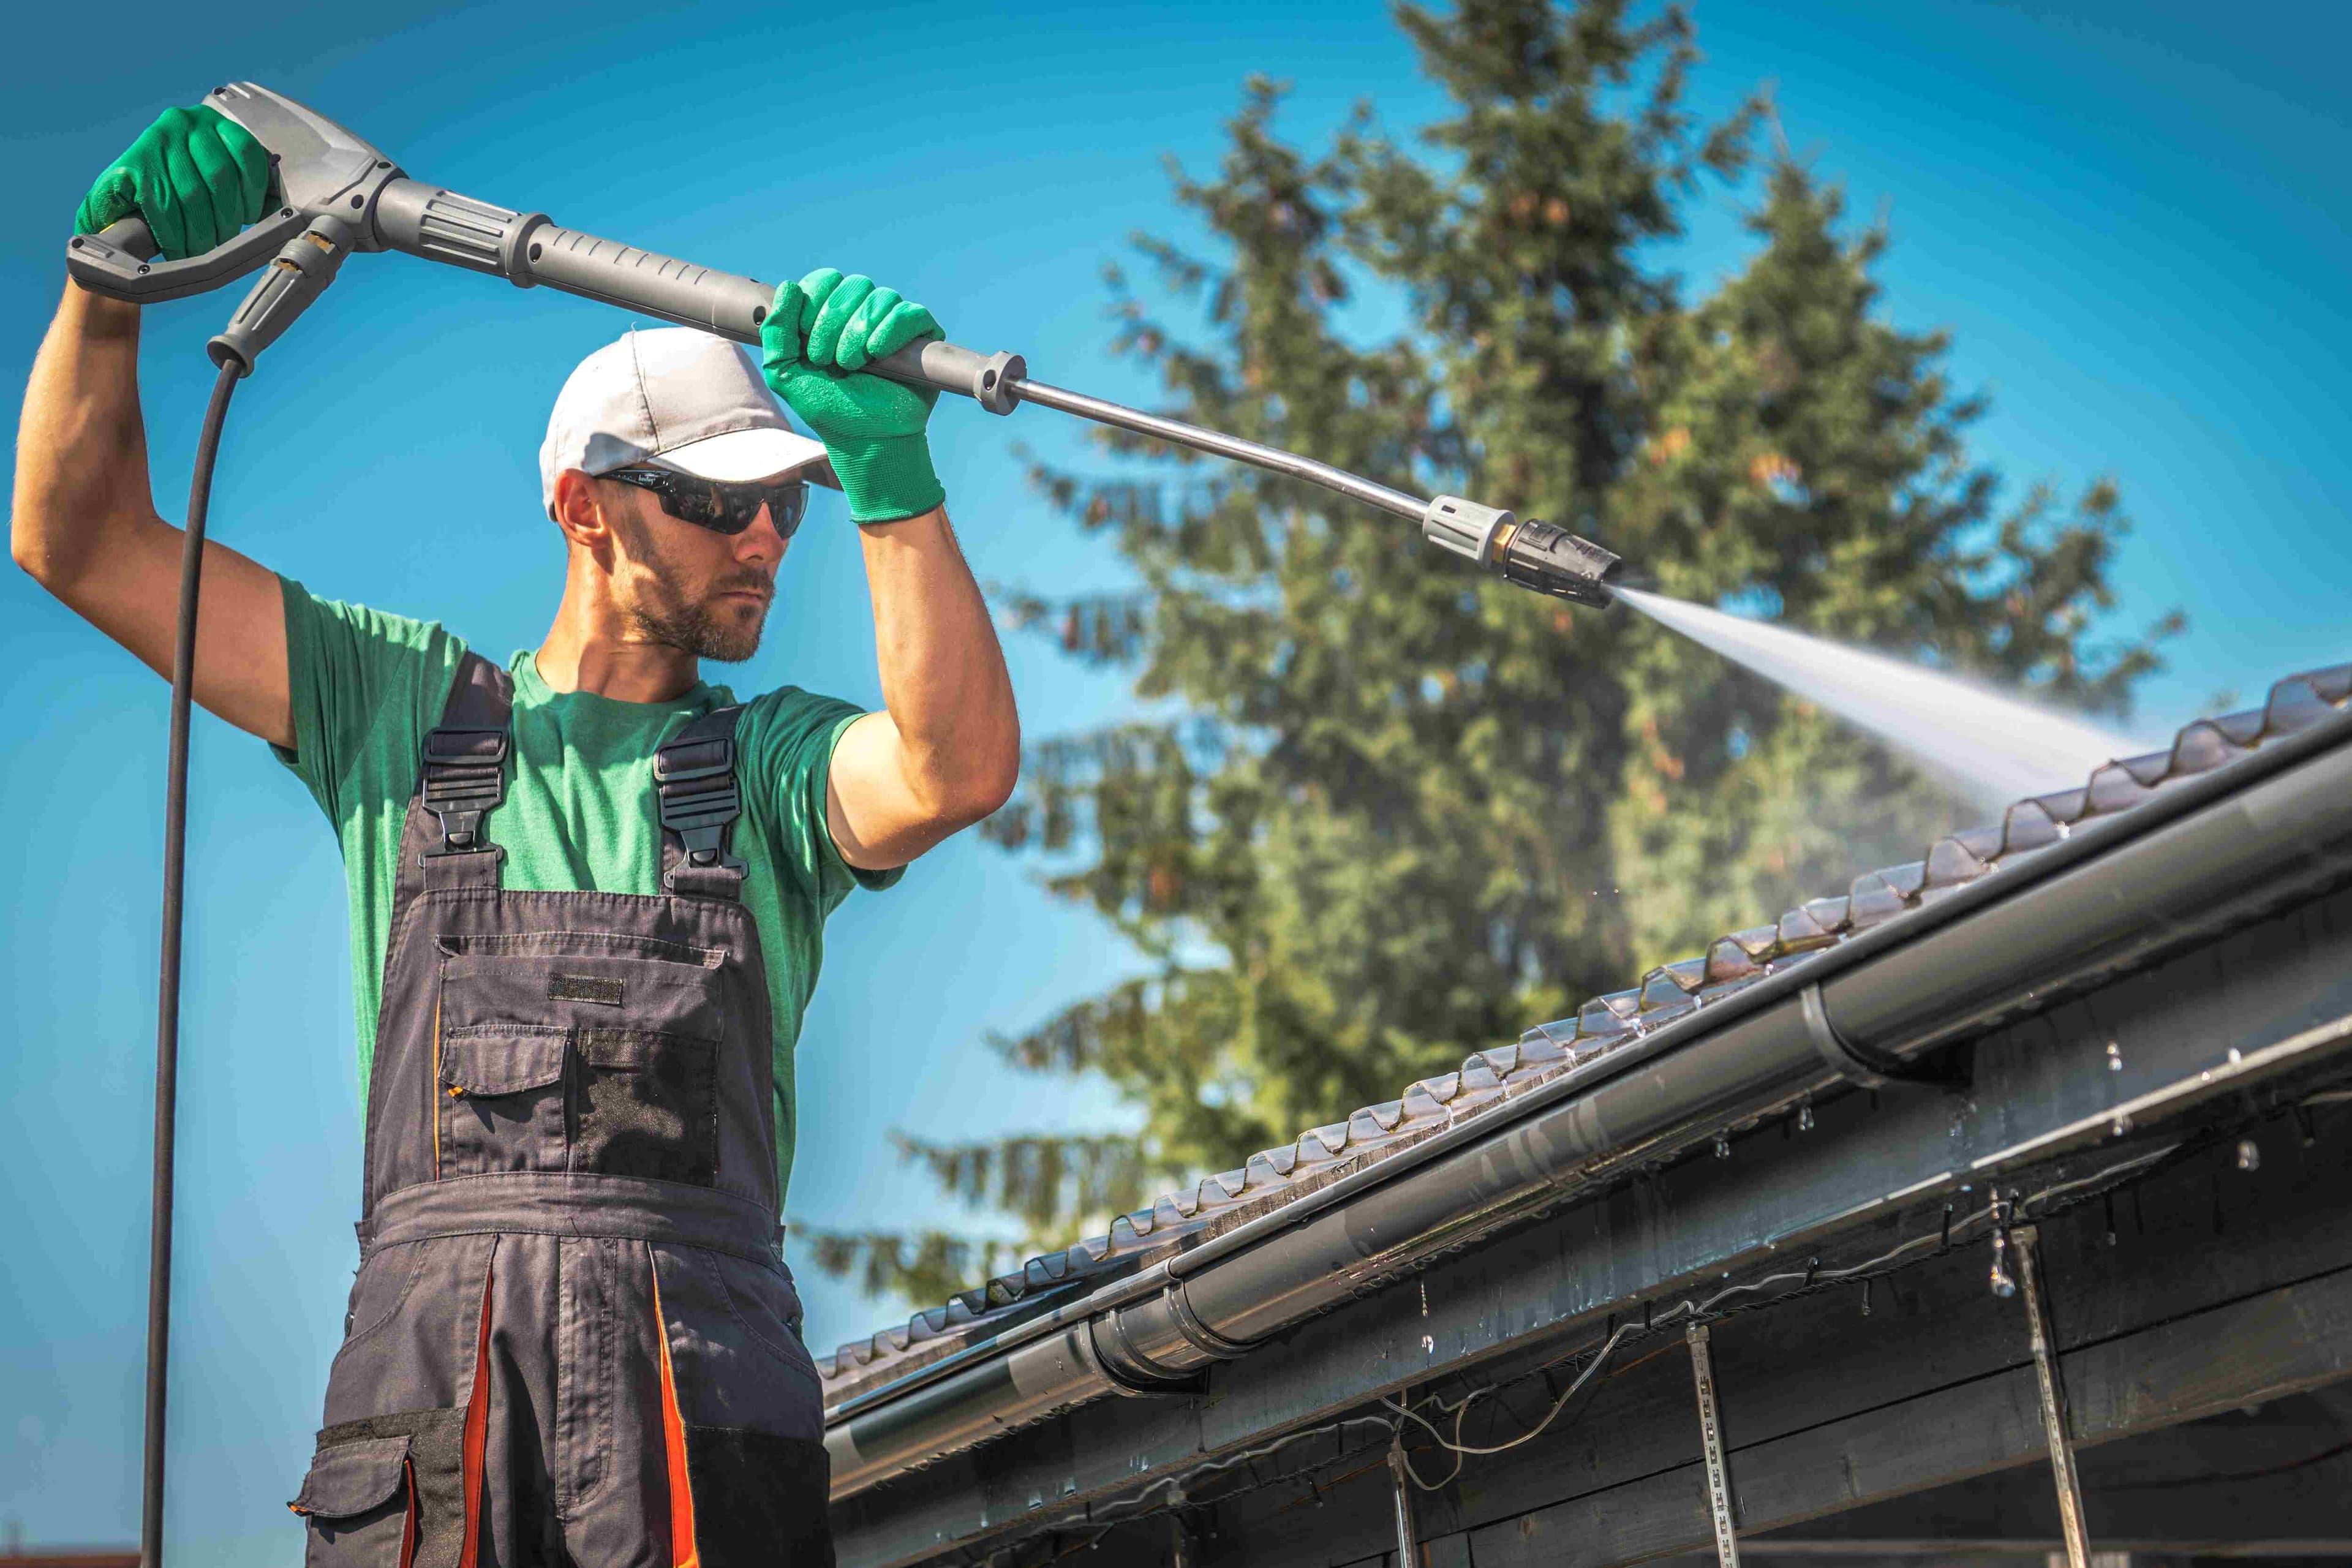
[1534, 554]
[1551, 560]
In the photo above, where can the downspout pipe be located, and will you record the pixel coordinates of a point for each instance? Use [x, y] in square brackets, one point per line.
[2260, 833]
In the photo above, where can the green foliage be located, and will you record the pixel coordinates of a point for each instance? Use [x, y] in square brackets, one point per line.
[929, 1267]
[1040, 1180]
[1410, 810]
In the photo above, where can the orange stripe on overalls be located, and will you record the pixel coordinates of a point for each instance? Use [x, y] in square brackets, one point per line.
[477, 1429]
[682, 1554]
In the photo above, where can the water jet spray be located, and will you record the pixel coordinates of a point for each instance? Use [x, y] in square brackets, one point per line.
[2001, 747]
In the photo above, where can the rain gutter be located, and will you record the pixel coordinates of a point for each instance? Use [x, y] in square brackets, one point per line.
[2259, 831]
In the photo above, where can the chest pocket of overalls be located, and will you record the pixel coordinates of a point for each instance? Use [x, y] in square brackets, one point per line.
[578, 1051]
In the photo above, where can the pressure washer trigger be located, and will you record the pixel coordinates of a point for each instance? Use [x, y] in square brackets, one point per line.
[117, 261]
[317, 169]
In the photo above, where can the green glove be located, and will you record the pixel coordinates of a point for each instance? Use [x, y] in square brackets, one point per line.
[196, 176]
[819, 334]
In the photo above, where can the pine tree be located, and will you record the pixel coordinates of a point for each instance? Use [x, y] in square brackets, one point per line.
[1809, 459]
[1410, 810]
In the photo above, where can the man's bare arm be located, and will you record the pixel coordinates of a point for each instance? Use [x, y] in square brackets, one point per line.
[85, 525]
[947, 750]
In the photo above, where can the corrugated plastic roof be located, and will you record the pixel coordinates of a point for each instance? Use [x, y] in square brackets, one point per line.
[1487, 1079]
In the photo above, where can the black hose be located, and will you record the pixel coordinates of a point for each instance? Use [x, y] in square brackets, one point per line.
[167, 990]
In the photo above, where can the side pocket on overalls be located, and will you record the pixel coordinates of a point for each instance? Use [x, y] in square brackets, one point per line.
[388, 1492]
[406, 1411]
[360, 1501]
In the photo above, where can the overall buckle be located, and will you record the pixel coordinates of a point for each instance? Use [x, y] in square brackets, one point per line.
[464, 779]
[695, 781]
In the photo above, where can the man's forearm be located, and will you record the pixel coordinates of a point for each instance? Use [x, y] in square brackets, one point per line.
[947, 750]
[81, 447]
[943, 675]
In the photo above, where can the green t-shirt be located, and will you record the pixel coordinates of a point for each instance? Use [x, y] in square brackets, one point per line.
[578, 814]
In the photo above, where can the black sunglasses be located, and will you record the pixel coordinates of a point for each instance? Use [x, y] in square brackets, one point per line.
[718, 506]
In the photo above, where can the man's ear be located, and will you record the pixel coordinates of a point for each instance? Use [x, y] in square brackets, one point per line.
[580, 510]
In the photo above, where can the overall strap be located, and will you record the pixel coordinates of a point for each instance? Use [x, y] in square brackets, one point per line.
[698, 801]
[463, 776]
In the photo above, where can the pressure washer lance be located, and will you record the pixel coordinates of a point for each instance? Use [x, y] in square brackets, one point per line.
[338, 194]
[341, 194]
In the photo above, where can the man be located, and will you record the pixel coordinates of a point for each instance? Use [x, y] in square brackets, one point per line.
[587, 896]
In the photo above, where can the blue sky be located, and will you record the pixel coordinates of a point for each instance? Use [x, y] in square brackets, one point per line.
[2135, 227]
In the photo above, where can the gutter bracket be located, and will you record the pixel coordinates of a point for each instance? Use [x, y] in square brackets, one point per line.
[1127, 1370]
[1860, 1066]
[1197, 1332]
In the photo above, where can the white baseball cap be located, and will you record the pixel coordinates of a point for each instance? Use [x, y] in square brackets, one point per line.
[677, 398]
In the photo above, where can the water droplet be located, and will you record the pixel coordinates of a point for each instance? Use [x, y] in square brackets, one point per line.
[2236, 1055]
[2115, 1057]
[2250, 1155]
[1805, 1117]
[2120, 1126]
[1722, 1147]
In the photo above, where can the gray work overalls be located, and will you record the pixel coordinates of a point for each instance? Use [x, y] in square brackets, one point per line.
[573, 1339]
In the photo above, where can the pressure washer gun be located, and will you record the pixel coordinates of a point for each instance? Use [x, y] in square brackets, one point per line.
[338, 194]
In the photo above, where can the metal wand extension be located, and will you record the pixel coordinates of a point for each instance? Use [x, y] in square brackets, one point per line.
[326, 172]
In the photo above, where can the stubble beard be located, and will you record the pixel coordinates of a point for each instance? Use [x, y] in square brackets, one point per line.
[664, 616]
